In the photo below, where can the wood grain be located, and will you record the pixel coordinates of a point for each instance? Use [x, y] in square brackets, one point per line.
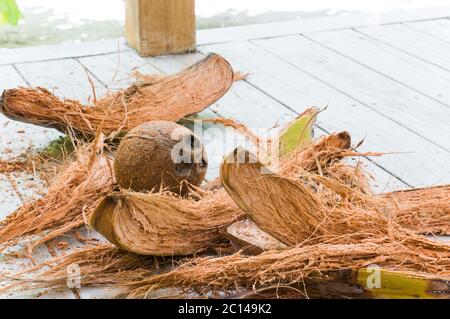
[157, 27]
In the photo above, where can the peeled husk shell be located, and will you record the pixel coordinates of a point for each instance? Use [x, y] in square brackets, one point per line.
[167, 98]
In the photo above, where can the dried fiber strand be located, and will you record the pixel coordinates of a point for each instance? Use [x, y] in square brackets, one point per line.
[72, 195]
[427, 207]
[99, 265]
[291, 266]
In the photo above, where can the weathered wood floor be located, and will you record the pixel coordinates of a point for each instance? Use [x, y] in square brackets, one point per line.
[388, 84]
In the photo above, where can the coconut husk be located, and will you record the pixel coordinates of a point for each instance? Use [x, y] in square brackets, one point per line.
[324, 236]
[311, 208]
[380, 242]
[99, 265]
[294, 267]
[158, 98]
[321, 270]
[71, 197]
[163, 224]
[423, 209]
[298, 134]
[319, 156]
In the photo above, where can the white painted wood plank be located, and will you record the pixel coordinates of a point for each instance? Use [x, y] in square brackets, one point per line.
[9, 78]
[413, 42]
[258, 31]
[115, 69]
[383, 95]
[170, 64]
[415, 73]
[438, 28]
[260, 113]
[425, 164]
[62, 51]
[66, 78]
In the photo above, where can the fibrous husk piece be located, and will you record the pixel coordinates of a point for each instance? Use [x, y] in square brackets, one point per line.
[397, 284]
[163, 223]
[167, 98]
[99, 265]
[427, 207]
[311, 208]
[70, 198]
[295, 266]
[319, 156]
[247, 236]
[271, 201]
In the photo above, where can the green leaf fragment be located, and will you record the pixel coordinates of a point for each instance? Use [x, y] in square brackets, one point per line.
[9, 12]
[298, 133]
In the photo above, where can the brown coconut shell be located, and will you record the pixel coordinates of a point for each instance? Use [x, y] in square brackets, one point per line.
[144, 159]
[167, 98]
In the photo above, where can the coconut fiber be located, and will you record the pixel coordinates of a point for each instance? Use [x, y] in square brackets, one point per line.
[156, 98]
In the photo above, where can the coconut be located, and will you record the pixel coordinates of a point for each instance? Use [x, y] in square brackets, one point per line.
[160, 154]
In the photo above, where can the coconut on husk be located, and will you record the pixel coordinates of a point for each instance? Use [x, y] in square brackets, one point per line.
[165, 224]
[426, 210]
[167, 98]
[160, 155]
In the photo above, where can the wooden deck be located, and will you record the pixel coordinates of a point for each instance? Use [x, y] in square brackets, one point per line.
[388, 84]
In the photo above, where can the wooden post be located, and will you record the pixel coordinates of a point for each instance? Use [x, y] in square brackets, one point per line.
[157, 27]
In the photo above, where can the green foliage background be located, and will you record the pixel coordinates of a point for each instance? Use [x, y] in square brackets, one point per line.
[9, 12]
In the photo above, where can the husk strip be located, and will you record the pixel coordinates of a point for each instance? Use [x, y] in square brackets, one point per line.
[163, 223]
[157, 98]
[427, 207]
[292, 267]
